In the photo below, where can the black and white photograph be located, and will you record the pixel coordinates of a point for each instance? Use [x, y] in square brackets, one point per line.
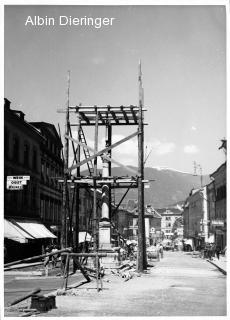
[114, 201]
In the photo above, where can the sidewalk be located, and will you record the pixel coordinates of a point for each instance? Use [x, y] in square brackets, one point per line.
[221, 264]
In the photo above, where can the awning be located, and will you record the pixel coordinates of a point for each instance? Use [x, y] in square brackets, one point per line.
[84, 236]
[21, 231]
[13, 232]
[36, 229]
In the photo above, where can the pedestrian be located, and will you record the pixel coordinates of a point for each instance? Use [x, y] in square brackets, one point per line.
[209, 252]
[161, 250]
[55, 256]
[47, 259]
[218, 250]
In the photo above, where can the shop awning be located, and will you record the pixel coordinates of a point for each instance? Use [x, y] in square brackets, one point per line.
[21, 231]
[13, 232]
[36, 229]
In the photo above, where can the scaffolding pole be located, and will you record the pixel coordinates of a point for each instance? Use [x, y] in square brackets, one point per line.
[141, 262]
[66, 165]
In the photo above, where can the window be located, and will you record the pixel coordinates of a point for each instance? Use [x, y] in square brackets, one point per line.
[42, 204]
[168, 218]
[6, 142]
[221, 193]
[26, 154]
[34, 190]
[35, 159]
[15, 149]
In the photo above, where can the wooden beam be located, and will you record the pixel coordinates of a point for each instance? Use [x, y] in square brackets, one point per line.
[83, 116]
[125, 115]
[101, 118]
[99, 153]
[134, 114]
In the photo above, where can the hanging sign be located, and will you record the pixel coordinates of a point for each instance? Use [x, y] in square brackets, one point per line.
[16, 182]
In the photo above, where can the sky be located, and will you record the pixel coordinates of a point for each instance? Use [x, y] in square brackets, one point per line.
[183, 55]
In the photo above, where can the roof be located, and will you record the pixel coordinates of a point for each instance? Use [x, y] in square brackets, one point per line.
[151, 211]
[218, 169]
[19, 117]
[49, 128]
[169, 211]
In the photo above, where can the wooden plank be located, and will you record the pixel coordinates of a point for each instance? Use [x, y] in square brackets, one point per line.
[125, 115]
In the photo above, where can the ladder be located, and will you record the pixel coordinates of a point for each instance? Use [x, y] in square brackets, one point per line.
[86, 151]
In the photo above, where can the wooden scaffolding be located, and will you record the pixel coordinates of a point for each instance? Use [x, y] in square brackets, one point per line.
[107, 116]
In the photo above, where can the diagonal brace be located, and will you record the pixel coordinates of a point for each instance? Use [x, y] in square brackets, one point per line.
[99, 153]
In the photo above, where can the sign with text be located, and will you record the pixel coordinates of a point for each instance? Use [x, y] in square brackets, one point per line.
[16, 182]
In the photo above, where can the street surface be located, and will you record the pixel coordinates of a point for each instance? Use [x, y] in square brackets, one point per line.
[178, 285]
[16, 286]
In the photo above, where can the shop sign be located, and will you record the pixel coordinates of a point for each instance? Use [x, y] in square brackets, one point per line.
[16, 182]
[217, 223]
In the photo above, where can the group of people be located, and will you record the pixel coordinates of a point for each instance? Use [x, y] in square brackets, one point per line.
[211, 250]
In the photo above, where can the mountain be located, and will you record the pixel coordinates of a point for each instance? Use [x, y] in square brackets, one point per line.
[169, 186]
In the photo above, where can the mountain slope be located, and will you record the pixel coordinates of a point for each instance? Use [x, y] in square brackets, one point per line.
[168, 187]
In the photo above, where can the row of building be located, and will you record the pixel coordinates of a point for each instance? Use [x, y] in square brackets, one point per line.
[161, 223]
[204, 214]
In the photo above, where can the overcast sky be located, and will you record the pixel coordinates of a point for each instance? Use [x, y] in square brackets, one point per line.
[182, 49]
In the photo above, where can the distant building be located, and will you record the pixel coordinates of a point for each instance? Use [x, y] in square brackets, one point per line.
[155, 233]
[169, 216]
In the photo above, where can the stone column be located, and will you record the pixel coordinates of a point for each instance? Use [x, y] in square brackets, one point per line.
[104, 225]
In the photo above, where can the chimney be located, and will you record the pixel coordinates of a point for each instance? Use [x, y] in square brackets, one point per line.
[7, 103]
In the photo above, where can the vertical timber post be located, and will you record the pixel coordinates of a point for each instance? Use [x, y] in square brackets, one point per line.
[76, 220]
[142, 263]
[109, 142]
[65, 183]
[95, 218]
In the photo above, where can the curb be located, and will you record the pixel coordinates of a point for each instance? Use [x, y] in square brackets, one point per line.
[220, 269]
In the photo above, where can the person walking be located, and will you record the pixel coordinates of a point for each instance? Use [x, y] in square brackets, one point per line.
[161, 250]
[218, 250]
[47, 259]
[55, 256]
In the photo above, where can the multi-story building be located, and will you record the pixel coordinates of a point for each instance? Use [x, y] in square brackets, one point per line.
[219, 222]
[196, 217]
[21, 158]
[51, 170]
[33, 150]
[155, 233]
[211, 203]
[24, 231]
[169, 216]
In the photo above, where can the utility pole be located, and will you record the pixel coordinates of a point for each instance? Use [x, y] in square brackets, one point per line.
[142, 262]
[64, 232]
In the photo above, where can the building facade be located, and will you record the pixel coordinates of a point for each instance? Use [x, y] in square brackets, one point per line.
[26, 224]
[196, 217]
[51, 171]
[169, 216]
[21, 158]
[219, 223]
